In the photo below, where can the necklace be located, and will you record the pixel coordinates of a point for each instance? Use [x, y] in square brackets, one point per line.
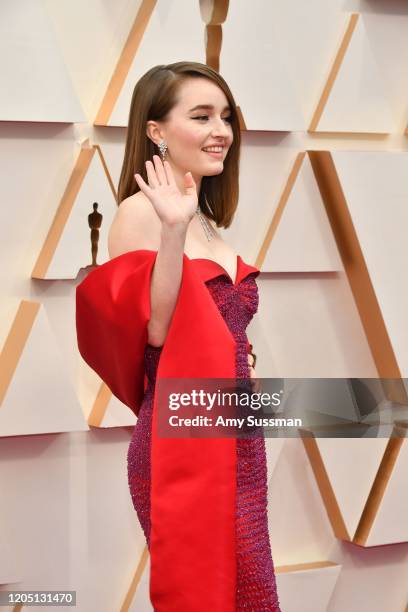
[207, 227]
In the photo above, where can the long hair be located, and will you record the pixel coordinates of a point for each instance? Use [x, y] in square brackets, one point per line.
[154, 95]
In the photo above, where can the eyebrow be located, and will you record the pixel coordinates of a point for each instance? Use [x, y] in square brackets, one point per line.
[208, 107]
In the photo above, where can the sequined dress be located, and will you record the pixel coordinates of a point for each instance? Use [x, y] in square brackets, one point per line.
[256, 584]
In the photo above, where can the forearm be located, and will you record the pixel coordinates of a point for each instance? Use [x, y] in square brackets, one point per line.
[165, 282]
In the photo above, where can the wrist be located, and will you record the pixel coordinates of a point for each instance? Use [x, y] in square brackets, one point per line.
[177, 228]
[174, 235]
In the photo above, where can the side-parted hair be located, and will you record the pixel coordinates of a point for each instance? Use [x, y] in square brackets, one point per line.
[154, 96]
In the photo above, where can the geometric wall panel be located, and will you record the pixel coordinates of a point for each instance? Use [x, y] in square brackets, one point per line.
[108, 411]
[355, 478]
[36, 395]
[35, 84]
[300, 238]
[159, 35]
[68, 245]
[309, 327]
[138, 597]
[391, 523]
[306, 586]
[258, 198]
[253, 64]
[387, 31]
[375, 188]
[345, 471]
[273, 449]
[52, 487]
[353, 99]
[365, 202]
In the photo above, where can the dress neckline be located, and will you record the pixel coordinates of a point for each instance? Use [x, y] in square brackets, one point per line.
[208, 265]
[212, 261]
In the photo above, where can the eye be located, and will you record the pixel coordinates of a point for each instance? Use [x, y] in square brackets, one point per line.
[228, 119]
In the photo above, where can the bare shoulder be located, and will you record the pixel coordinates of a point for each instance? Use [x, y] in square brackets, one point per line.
[135, 226]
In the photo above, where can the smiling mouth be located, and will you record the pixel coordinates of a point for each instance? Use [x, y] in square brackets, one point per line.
[216, 154]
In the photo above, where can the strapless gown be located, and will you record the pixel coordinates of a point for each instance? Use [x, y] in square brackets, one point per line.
[256, 584]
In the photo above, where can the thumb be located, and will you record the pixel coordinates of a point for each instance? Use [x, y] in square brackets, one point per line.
[189, 183]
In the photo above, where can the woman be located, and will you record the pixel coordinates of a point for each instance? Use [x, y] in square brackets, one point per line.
[180, 299]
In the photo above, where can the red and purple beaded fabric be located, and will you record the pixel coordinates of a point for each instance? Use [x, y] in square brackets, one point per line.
[256, 584]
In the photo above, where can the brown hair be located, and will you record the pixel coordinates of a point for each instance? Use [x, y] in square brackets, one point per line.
[154, 95]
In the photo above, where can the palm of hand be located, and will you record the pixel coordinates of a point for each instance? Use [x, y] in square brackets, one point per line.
[170, 204]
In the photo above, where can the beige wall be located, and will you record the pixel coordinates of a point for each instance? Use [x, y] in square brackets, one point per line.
[66, 515]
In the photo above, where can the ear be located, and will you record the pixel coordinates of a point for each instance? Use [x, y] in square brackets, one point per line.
[153, 132]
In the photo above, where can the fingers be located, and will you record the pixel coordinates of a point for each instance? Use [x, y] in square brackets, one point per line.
[143, 186]
[252, 358]
[190, 188]
[151, 175]
[152, 178]
[169, 173]
[160, 173]
[191, 184]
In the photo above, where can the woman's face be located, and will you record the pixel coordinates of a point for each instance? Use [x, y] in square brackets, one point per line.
[199, 120]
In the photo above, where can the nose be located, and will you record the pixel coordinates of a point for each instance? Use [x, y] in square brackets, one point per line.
[220, 128]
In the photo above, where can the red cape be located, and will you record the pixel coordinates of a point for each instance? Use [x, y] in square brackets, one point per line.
[193, 480]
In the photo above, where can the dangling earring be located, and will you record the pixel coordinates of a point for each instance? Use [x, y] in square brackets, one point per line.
[163, 149]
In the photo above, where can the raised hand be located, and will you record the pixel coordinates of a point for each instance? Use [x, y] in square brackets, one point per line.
[172, 207]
